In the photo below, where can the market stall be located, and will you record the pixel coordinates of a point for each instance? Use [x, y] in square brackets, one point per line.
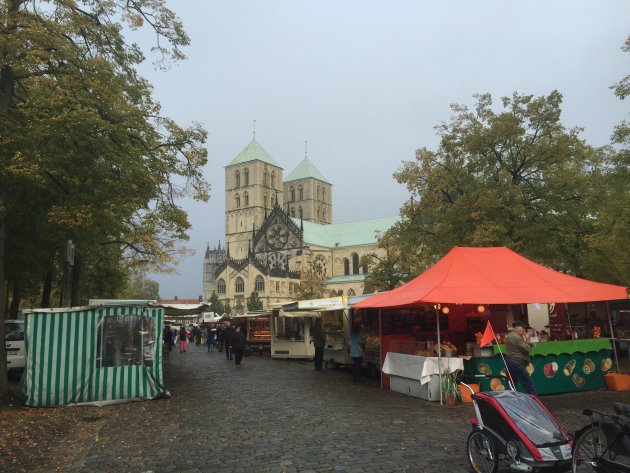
[484, 278]
[256, 327]
[291, 329]
[93, 355]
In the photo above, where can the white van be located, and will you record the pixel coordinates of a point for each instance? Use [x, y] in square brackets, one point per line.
[14, 342]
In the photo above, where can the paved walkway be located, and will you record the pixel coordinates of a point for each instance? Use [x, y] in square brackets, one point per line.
[267, 416]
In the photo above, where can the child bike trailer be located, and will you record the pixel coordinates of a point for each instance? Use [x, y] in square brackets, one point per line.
[516, 427]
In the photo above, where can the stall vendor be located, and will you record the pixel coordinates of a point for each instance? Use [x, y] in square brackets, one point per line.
[517, 348]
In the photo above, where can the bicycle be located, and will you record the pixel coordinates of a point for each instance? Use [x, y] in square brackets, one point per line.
[603, 445]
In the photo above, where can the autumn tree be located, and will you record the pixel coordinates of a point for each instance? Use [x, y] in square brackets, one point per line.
[86, 154]
[140, 287]
[254, 302]
[215, 304]
[313, 275]
[515, 177]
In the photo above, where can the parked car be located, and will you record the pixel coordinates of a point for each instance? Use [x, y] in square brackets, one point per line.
[14, 342]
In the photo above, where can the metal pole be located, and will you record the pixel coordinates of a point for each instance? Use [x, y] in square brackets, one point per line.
[612, 337]
[380, 347]
[437, 319]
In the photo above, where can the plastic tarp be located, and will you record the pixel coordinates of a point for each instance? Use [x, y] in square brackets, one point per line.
[495, 275]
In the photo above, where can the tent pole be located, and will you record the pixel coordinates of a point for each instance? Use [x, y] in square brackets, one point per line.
[439, 350]
[612, 337]
[380, 347]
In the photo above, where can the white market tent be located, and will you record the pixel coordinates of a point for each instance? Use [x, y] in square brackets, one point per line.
[94, 355]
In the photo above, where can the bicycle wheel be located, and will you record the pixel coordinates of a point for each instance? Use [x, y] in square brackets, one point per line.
[482, 455]
[588, 449]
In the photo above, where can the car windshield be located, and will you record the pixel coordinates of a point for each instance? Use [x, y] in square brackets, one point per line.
[14, 331]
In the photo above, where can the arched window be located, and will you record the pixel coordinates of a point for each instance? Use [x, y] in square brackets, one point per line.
[301, 192]
[351, 293]
[355, 263]
[239, 285]
[365, 269]
[238, 200]
[323, 194]
[238, 178]
[266, 199]
[333, 293]
[317, 192]
[324, 215]
[266, 178]
[259, 284]
[273, 180]
[346, 267]
[301, 213]
[318, 213]
[292, 211]
[246, 173]
[292, 194]
[246, 198]
[221, 286]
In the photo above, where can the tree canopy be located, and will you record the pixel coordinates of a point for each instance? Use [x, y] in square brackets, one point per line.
[517, 178]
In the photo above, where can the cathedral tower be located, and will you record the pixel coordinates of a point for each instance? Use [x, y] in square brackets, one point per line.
[308, 195]
[253, 183]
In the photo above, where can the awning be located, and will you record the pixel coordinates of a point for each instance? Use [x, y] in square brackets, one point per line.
[300, 313]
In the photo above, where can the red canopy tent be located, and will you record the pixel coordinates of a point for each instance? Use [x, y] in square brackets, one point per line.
[491, 276]
[494, 275]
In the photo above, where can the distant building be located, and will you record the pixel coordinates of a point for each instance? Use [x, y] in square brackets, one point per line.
[275, 228]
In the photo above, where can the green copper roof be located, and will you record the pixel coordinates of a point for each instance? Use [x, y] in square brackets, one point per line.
[346, 279]
[305, 170]
[364, 232]
[253, 152]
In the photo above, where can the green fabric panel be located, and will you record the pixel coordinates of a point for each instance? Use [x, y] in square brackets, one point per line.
[564, 347]
[552, 374]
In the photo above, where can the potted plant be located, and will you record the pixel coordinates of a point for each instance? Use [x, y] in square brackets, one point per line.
[450, 392]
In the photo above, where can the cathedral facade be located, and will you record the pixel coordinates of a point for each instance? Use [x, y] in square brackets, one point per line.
[278, 228]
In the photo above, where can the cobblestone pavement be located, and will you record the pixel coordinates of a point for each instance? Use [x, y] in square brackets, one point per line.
[266, 416]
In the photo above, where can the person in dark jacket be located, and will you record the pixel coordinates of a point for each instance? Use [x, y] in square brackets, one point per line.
[220, 337]
[319, 340]
[238, 345]
[228, 331]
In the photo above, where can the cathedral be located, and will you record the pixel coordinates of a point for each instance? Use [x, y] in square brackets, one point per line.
[278, 228]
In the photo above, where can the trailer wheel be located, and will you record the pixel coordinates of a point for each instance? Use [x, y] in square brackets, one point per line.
[482, 456]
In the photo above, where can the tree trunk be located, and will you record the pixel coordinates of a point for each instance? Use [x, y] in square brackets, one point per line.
[48, 280]
[16, 298]
[7, 86]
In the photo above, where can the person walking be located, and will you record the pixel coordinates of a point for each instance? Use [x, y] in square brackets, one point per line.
[210, 339]
[237, 345]
[319, 340]
[517, 348]
[220, 338]
[356, 354]
[182, 339]
[227, 341]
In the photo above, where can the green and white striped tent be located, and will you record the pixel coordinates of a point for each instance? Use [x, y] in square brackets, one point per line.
[93, 355]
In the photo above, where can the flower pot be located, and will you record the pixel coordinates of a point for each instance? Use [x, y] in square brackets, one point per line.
[617, 382]
[450, 399]
[465, 392]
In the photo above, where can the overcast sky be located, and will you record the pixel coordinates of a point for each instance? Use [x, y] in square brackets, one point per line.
[365, 82]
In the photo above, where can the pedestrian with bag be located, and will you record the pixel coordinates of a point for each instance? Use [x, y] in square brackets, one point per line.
[210, 339]
[227, 341]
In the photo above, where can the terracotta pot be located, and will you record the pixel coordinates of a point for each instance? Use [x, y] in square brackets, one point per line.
[450, 400]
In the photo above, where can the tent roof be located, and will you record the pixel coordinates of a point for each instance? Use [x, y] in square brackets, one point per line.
[492, 276]
[179, 310]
